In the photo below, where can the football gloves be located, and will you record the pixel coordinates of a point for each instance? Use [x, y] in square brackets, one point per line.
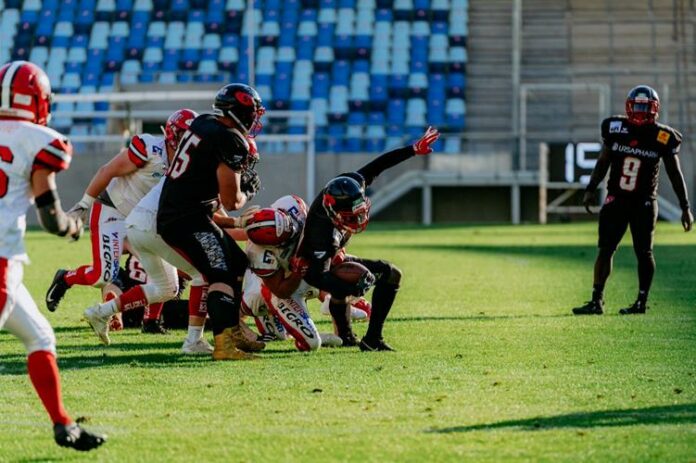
[363, 285]
[81, 209]
[241, 221]
[423, 145]
[251, 183]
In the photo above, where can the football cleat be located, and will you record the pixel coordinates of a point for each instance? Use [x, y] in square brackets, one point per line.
[637, 308]
[74, 437]
[349, 340]
[330, 340]
[225, 348]
[590, 308]
[242, 342]
[196, 348]
[375, 346]
[99, 323]
[153, 327]
[57, 290]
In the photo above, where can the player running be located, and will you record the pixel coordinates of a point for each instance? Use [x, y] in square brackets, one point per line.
[274, 294]
[30, 156]
[341, 210]
[211, 165]
[632, 148]
[113, 192]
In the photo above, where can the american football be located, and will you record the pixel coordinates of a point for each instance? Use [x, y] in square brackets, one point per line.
[350, 272]
[512, 180]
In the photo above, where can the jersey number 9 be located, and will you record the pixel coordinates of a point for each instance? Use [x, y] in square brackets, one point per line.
[629, 175]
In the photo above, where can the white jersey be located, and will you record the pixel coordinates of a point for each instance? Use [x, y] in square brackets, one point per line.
[24, 146]
[144, 215]
[149, 154]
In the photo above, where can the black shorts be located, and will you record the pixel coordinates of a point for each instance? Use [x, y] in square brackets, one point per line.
[209, 249]
[619, 213]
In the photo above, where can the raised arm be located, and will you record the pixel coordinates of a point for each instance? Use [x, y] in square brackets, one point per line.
[421, 147]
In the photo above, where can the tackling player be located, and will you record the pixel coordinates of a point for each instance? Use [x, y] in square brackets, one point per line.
[30, 155]
[113, 192]
[341, 210]
[632, 148]
[210, 167]
[270, 287]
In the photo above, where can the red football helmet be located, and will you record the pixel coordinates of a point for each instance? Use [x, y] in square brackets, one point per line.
[176, 125]
[271, 227]
[25, 92]
[642, 105]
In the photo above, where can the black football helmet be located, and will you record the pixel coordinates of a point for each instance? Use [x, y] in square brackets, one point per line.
[242, 104]
[345, 202]
[642, 105]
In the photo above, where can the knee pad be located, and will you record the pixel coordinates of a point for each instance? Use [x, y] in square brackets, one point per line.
[395, 274]
[157, 293]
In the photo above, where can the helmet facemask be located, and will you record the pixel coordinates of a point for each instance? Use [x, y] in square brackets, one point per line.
[354, 220]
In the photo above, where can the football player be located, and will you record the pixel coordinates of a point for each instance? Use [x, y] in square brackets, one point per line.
[341, 210]
[30, 156]
[112, 193]
[212, 164]
[160, 263]
[632, 148]
[272, 292]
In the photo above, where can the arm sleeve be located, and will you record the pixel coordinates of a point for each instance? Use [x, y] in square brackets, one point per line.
[674, 145]
[232, 150]
[371, 170]
[55, 156]
[605, 131]
[137, 151]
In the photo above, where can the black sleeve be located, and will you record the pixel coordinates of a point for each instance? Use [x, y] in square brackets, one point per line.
[231, 149]
[674, 143]
[371, 170]
[605, 130]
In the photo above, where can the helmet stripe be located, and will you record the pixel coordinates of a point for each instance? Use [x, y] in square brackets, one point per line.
[5, 96]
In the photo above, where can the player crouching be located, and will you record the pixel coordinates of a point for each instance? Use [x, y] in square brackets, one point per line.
[339, 211]
[272, 291]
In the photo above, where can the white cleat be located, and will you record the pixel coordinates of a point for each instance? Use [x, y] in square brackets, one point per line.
[200, 347]
[330, 340]
[99, 323]
[356, 314]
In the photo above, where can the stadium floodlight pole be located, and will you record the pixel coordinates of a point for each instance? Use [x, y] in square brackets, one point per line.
[251, 46]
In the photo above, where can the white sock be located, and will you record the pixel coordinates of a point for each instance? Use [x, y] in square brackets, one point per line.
[194, 333]
[107, 309]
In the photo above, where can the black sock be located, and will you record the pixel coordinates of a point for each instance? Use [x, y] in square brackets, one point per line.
[598, 292]
[340, 311]
[382, 300]
[223, 311]
[643, 297]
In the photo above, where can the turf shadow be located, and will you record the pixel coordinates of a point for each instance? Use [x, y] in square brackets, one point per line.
[667, 414]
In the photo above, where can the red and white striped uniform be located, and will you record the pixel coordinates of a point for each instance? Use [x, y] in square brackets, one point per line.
[107, 224]
[24, 147]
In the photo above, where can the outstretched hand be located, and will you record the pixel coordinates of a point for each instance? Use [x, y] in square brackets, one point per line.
[423, 145]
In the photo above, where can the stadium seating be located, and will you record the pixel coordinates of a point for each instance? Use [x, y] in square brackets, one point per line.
[366, 68]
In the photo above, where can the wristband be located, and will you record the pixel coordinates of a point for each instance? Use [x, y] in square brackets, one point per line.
[87, 200]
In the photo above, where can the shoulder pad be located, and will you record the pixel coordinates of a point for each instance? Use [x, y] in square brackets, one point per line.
[55, 156]
[233, 149]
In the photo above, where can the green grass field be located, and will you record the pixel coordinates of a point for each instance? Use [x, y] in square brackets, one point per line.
[490, 365]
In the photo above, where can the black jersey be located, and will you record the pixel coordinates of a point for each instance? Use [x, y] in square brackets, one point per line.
[191, 186]
[321, 240]
[635, 152]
